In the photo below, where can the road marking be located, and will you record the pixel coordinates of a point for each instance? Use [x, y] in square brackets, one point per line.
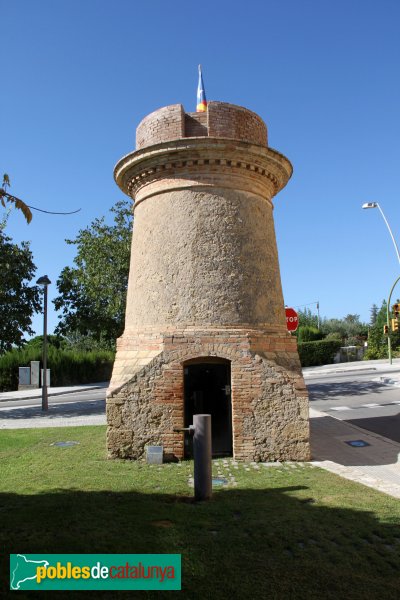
[361, 406]
[21, 407]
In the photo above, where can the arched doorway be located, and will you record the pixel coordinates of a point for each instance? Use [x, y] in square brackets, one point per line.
[207, 388]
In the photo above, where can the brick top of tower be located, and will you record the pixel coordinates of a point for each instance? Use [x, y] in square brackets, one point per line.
[221, 120]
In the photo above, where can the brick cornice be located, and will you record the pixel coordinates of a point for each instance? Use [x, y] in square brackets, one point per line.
[202, 162]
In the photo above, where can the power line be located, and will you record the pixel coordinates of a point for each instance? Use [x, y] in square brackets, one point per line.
[51, 212]
[309, 304]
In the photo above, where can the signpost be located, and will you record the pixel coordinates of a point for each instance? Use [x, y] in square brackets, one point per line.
[292, 319]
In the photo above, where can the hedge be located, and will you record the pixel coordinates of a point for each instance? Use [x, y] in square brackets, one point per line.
[316, 353]
[305, 333]
[68, 367]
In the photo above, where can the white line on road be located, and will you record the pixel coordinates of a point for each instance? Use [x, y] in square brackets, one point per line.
[21, 407]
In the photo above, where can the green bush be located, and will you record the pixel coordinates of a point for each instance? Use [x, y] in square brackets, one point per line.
[376, 352]
[319, 352]
[9, 363]
[52, 340]
[306, 333]
[334, 335]
[68, 367]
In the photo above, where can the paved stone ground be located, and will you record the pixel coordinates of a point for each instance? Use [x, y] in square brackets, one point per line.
[226, 469]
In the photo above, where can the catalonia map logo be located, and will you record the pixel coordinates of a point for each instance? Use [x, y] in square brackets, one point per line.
[95, 572]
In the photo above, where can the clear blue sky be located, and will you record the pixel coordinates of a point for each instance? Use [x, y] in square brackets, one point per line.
[78, 76]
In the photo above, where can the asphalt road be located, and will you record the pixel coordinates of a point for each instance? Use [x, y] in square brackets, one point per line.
[359, 397]
[90, 403]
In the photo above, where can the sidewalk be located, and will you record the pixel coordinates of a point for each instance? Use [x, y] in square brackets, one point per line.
[369, 366]
[376, 464]
[56, 391]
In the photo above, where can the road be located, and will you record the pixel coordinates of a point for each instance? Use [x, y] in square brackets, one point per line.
[77, 408]
[359, 397]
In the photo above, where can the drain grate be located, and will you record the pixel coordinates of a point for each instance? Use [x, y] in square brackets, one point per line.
[357, 443]
[218, 481]
[64, 444]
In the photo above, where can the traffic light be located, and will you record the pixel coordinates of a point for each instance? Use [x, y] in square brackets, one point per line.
[396, 310]
[386, 329]
[395, 325]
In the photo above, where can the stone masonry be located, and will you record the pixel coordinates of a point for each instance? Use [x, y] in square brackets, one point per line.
[204, 283]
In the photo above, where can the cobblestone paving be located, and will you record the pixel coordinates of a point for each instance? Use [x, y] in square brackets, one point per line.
[227, 468]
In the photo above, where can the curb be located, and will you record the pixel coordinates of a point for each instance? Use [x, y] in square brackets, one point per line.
[49, 393]
[333, 371]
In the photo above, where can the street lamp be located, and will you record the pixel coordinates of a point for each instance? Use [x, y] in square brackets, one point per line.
[376, 205]
[44, 281]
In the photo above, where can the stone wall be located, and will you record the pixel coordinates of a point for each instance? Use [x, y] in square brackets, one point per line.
[218, 253]
[269, 399]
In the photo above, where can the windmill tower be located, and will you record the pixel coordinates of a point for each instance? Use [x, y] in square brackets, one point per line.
[205, 328]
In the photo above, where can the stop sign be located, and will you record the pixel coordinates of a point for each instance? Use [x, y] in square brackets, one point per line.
[292, 319]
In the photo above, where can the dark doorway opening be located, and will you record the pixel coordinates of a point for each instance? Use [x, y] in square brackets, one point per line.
[208, 391]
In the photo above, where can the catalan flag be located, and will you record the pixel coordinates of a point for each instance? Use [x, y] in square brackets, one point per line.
[201, 95]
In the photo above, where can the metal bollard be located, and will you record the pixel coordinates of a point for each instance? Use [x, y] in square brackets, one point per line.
[202, 451]
[202, 457]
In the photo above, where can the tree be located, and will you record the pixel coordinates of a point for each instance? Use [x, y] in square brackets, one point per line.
[351, 330]
[307, 318]
[374, 314]
[377, 340]
[306, 333]
[5, 197]
[53, 341]
[18, 300]
[93, 292]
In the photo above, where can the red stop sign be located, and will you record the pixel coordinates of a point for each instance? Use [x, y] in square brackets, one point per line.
[292, 319]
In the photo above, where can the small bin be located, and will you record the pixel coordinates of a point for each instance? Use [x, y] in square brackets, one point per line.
[154, 455]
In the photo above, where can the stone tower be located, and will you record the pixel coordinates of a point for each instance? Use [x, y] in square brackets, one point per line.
[205, 328]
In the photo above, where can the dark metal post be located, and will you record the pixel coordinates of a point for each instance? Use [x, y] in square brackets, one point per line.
[45, 403]
[44, 281]
[202, 457]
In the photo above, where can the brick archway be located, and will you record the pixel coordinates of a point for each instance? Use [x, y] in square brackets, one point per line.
[266, 399]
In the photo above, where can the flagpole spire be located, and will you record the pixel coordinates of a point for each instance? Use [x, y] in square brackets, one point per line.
[201, 94]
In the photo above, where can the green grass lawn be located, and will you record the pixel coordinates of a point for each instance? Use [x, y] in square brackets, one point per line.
[286, 532]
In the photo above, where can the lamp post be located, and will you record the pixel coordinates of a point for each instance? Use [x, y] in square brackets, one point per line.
[376, 205]
[44, 281]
